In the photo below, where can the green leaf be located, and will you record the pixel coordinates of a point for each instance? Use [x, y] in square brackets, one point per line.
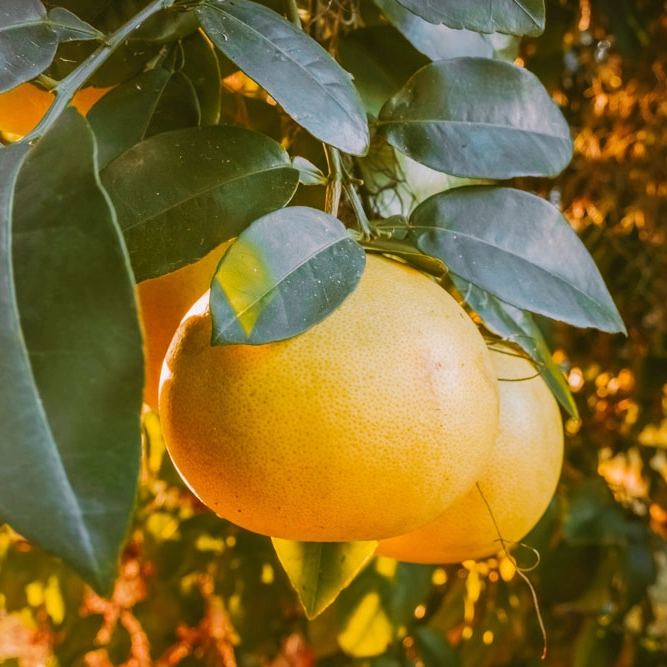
[69, 27]
[180, 194]
[593, 516]
[381, 61]
[71, 368]
[201, 66]
[266, 289]
[518, 247]
[309, 174]
[152, 102]
[477, 117]
[408, 588]
[434, 650]
[27, 43]
[178, 106]
[77, 641]
[516, 17]
[597, 645]
[437, 41]
[320, 571]
[519, 327]
[168, 25]
[293, 68]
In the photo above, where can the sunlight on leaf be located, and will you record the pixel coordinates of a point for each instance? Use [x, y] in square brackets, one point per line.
[320, 571]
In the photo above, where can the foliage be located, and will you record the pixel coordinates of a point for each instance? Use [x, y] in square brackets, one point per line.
[212, 126]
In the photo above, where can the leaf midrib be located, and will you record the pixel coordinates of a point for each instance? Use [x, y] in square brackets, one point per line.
[474, 125]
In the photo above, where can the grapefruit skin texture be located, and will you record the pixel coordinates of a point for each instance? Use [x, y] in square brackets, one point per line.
[163, 302]
[368, 425]
[518, 483]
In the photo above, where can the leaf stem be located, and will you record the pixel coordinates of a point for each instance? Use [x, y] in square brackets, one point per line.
[46, 82]
[338, 178]
[292, 11]
[358, 207]
[67, 87]
[335, 183]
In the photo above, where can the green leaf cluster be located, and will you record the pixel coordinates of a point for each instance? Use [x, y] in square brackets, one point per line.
[222, 119]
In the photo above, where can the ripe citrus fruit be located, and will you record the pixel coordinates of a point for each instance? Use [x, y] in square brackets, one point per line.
[365, 426]
[163, 302]
[23, 107]
[519, 480]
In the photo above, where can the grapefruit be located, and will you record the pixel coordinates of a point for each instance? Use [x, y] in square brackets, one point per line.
[368, 425]
[518, 483]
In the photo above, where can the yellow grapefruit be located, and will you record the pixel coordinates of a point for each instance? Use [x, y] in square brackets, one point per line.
[368, 425]
[518, 482]
[163, 302]
[23, 107]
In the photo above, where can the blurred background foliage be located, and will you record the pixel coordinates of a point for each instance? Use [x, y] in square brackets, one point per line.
[196, 590]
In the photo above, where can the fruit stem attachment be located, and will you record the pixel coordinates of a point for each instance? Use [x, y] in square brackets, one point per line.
[338, 178]
[67, 87]
[292, 10]
[358, 207]
[46, 82]
[335, 182]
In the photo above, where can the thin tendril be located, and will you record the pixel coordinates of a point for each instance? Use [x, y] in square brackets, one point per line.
[520, 571]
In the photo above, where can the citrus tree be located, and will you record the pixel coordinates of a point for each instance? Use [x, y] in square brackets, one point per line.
[320, 195]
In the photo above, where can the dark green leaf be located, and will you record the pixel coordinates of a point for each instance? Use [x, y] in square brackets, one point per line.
[152, 102]
[119, 647]
[434, 650]
[638, 565]
[437, 41]
[178, 106]
[477, 117]
[69, 27]
[410, 585]
[180, 194]
[71, 368]
[167, 26]
[78, 640]
[516, 17]
[593, 516]
[266, 289]
[320, 571]
[128, 60]
[381, 61]
[597, 645]
[27, 43]
[518, 247]
[296, 71]
[202, 68]
[518, 326]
